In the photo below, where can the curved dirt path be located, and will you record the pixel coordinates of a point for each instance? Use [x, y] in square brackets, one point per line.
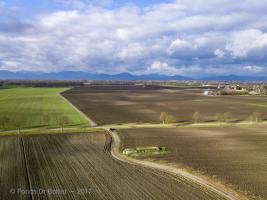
[195, 181]
[219, 189]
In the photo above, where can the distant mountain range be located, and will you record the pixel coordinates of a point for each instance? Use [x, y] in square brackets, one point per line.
[78, 75]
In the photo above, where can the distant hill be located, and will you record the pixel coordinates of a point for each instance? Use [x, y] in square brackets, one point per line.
[78, 75]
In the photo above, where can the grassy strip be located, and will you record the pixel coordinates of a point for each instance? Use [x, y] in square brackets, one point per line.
[75, 129]
[259, 105]
[183, 125]
[50, 131]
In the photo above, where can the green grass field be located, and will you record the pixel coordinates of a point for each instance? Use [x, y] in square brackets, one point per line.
[28, 106]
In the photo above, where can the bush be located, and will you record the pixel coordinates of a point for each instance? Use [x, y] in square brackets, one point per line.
[166, 118]
[256, 117]
[196, 117]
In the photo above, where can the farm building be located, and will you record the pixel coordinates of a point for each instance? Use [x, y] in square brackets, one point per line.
[130, 151]
[207, 92]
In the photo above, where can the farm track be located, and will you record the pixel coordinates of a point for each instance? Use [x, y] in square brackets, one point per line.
[112, 145]
[107, 149]
[80, 166]
[235, 156]
[40, 131]
[73, 162]
[193, 180]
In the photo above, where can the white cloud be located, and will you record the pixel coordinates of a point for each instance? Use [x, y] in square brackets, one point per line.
[223, 6]
[180, 45]
[133, 51]
[248, 43]
[219, 53]
[59, 19]
[162, 68]
[9, 64]
[197, 46]
[188, 37]
[253, 69]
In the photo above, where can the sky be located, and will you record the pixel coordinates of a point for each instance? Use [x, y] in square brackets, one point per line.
[196, 38]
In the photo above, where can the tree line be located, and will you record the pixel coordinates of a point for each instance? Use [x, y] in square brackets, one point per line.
[226, 117]
[6, 122]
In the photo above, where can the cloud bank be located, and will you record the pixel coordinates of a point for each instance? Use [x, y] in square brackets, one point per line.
[200, 38]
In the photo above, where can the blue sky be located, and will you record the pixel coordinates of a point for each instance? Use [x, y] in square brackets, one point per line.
[31, 7]
[178, 37]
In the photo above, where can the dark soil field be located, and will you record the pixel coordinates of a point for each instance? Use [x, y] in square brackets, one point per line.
[13, 173]
[236, 156]
[125, 104]
[81, 167]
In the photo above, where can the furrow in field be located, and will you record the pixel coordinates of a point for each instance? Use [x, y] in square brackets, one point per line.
[69, 163]
[234, 156]
[13, 175]
[144, 105]
[194, 181]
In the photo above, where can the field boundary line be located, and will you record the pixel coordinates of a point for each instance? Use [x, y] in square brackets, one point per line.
[130, 126]
[180, 125]
[91, 122]
[27, 167]
[221, 190]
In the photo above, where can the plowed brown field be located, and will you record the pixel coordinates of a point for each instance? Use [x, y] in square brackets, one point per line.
[236, 156]
[80, 167]
[125, 104]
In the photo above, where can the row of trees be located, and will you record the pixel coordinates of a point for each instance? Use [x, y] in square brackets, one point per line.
[224, 117]
[6, 122]
[228, 117]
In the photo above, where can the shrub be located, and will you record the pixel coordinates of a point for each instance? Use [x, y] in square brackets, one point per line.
[166, 118]
[196, 117]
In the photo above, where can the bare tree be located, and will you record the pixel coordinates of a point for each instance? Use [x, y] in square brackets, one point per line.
[3, 122]
[166, 118]
[64, 120]
[170, 119]
[196, 117]
[163, 116]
